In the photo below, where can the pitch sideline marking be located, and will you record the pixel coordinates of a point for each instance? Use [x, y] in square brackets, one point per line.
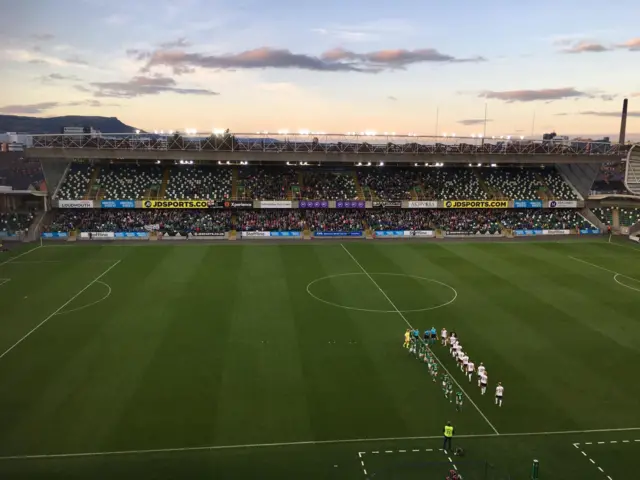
[615, 274]
[375, 452]
[409, 325]
[63, 312]
[20, 255]
[455, 292]
[59, 309]
[4, 280]
[307, 442]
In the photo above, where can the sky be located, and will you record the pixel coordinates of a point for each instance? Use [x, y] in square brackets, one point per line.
[427, 68]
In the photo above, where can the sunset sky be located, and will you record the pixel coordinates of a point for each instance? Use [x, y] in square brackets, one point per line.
[332, 66]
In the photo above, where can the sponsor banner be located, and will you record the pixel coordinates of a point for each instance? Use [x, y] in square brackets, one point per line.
[419, 233]
[118, 204]
[152, 228]
[563, 204]
[284, 234]
[97, 235]
[276, 204]
[527, 233]
[476, 204]
[422, 204]
[208, 234]
[238, 204]
[75, 203]
[180, 204]
[388, 204]
[313, 204]
[556, 232]
[351, 204]
[389, 233]
[527, 204]
[337, 234]
[459, 234]
[166, 236]
[131, 235]
[255, 234]
[7, 234]
[590, 231]
[55, 235]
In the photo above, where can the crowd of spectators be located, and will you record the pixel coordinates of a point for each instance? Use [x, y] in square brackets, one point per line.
[13, 223]
[335, 220]
[328, 185]
[140, 220]
[626, 216]
[128, 182]
[389, 183]
[270, 220]
[199, 183]
[610, 179]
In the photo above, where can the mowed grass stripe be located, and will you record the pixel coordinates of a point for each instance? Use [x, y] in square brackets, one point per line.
[262, 392]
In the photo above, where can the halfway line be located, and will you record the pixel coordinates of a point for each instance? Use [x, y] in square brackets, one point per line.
[20, 255]
[59, 308]
[407, 322]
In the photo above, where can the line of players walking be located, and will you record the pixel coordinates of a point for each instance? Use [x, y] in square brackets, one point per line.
[421, 348]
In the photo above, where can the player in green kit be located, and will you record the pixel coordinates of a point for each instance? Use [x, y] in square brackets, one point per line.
[445, 381]
[434, 370]
[450, 391]
[459, 400]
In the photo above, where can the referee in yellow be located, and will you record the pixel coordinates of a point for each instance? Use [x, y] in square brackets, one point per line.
[448, 435]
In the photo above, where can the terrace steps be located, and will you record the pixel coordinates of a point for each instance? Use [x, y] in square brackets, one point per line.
[359, 190]
[165, 182]
[485, 186]
[92, 181]
[234, 182]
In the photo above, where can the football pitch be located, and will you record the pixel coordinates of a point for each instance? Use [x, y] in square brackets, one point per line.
[286, 360]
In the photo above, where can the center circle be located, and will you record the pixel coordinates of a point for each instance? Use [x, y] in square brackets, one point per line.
[441, 285]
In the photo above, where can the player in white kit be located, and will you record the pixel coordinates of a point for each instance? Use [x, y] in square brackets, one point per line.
[453, 341]
[443, 336]
[481, 370]
[499, 393]
[457, 351]
[465, 362]
[470, 369]
[484, 379]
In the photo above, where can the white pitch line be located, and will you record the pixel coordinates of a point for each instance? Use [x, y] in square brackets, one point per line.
[59, 309]
[308, 442]
[615, 274]
[411, 327]
[20, 255]
[593, 462]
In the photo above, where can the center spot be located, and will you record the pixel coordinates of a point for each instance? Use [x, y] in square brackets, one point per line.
[356, 291]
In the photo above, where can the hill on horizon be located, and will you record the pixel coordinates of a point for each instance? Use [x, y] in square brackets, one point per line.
[24, 124]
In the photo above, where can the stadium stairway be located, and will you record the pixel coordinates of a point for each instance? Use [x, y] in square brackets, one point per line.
[359, 191]
[234, 182]
[165, 181]
[36, 225]
[592, 217]
[545, 192]
[484, 186]
[94, 177]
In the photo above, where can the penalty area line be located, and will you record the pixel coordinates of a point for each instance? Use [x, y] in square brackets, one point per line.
[303, 443]
[411, 327]
[59, 309]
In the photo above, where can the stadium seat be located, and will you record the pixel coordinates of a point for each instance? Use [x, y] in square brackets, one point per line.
[560, 189]
[14, 223]
[513, 183]
[128, 182]
[273, 183]
[75, 183]
[199, 183]
[328, 185]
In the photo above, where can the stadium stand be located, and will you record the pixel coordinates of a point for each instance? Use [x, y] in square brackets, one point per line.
[335, 220]
[560, 190]
[271, 220]
[273, 183]
[389, 184]
[400, 220]
[610, 179]
[21, 173]
[199, 183]
[627, 216]
[128, 182]
[455, 184]
[14, 223]
[605, 214]
[328, 185]
[140, 220]
[513, 183]
[75, 183]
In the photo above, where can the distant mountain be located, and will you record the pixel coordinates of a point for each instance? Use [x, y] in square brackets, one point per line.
[21, 124]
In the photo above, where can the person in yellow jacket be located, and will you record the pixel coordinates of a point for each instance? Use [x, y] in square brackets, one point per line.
[448, 435]
[407, 338]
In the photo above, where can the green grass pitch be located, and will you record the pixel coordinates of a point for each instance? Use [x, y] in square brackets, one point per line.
[286, 361]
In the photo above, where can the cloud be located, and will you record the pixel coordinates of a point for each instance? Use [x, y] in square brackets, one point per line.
[43, 37]
[336, 60]
[585, 47]
[52, 77]
[633, 45]
[37, 108]
[548, 94]
[39, 58]
[178, 43]
[116, 19]
[82, 88]
[75, 60]
[473, 121]
[140, 86]
[391, 97]
[609, 114]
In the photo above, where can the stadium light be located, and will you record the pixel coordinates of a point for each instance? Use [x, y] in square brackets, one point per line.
[161, 132]
[381, 164]
[453, 134]
[479, 165]
[471, 164]
[155, 131]
[359, 164]
[444, 134]
[473, 135]
[415, 164]
[170, 132]
[303, 132]
[494, 165]
[393, 133]
[508, 137]
[137, 132]
[283, 131]
[521, 137]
